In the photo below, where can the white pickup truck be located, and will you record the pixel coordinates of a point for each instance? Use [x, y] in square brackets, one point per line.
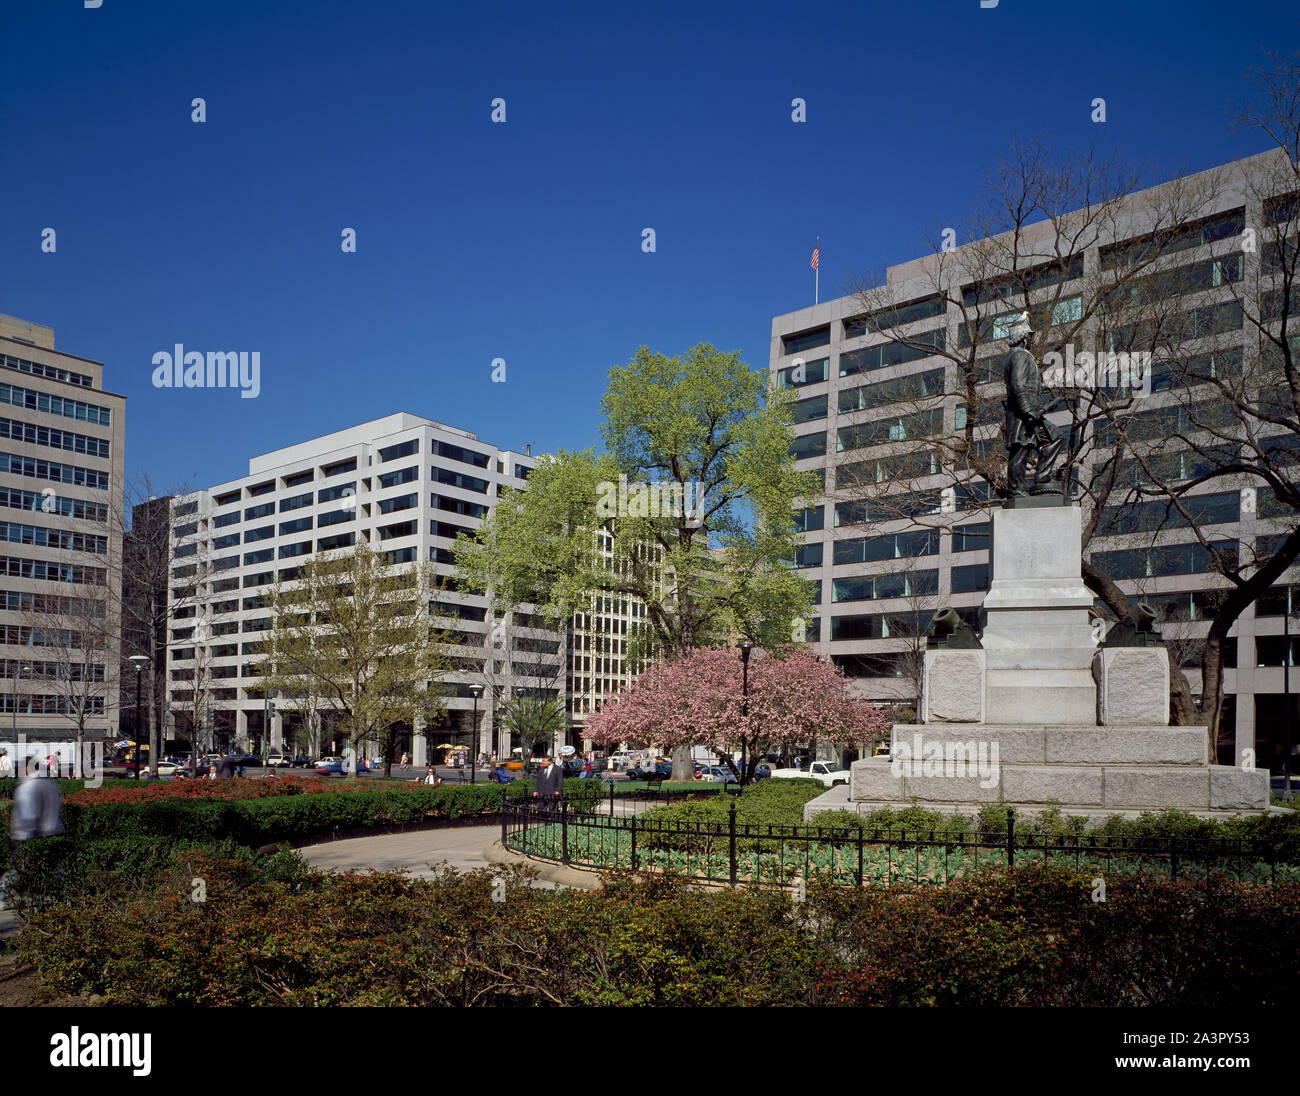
[828, 772]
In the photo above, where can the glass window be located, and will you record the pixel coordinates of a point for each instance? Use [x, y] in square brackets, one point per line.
[802, 373]
[461, 454]
[809, 409]
[808, 445]
[401, 449]
[400, 475]
[807, 340]
[966, 580]
[296, 502]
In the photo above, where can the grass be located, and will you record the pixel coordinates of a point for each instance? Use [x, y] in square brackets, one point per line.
[773, 862]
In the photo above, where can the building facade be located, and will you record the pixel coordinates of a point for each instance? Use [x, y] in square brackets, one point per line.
[407, 486]
[61, 498]
[902, 524]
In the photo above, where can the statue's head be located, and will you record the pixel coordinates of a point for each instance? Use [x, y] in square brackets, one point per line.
[1019, 333]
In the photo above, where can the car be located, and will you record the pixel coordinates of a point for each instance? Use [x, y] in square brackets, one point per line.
[302, 762]
[572, 765]
[717, 774]
[168, 768]
[331, 765]
[828, 772]
[657, 769]
[500, 775]
[762, 771]
[278, 760]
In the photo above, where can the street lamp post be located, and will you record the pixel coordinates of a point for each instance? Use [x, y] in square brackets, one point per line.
[477, 691]
[746, 648]
[140, 662]
[1286, 692]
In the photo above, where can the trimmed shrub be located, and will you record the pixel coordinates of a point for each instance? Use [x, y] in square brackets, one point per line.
[1029, 937]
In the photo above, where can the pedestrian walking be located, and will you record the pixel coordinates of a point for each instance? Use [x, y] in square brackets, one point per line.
[38, 807]
[226, 767]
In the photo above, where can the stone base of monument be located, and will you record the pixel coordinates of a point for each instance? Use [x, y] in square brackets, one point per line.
[1092, 771]
[1132, 684]
[1040, 716]
[1038, 638]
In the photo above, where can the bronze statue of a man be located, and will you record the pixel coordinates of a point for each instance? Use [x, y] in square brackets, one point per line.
[1027, 433]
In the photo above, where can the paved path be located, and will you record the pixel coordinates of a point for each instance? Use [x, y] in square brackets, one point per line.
[460, 846]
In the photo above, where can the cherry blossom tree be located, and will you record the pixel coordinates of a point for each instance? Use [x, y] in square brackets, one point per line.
[793, 698]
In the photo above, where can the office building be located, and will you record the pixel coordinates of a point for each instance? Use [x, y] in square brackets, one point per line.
[901, 525]
[61, 461]
[405, 484]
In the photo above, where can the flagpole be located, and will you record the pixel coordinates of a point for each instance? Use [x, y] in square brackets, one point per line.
[817, 273]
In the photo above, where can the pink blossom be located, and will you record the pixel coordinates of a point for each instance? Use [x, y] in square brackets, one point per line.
[698, 700]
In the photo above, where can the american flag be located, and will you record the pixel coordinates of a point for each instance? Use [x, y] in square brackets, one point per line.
[816, 256]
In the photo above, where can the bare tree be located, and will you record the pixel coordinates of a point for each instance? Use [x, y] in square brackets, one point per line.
[1139, 298]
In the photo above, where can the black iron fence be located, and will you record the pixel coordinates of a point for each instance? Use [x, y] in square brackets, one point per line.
[608, 834]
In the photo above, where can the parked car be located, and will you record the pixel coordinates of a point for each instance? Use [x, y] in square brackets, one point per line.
[762, 770]
[717, 774]
[643, 769]
[302, 762]
[828, 772]
[278, 760]
[572, 765]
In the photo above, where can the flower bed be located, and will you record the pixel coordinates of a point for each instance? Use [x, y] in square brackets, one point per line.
[122, 792]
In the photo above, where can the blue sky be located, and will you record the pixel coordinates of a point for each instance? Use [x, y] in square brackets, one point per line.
[522, 241]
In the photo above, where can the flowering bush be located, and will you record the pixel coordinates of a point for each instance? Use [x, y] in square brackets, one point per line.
[701, 700]
[122, 792]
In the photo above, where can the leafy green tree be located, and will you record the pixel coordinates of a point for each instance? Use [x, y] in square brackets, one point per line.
[531, 719]
[689, 510]
[353, 632]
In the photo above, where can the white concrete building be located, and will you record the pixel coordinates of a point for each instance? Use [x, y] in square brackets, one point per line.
[406, 484]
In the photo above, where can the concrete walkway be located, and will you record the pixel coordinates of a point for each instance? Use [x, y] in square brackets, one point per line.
[460, 846]
[463, 848]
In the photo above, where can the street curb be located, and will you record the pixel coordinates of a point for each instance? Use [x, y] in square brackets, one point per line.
[496, 853]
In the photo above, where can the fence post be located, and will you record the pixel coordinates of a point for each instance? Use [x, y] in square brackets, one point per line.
[860, 837]
[633, 816]
[611, 799]
[1173, 856]
[564, 829]
[503, 816]
[731, 824]
[1011, 837]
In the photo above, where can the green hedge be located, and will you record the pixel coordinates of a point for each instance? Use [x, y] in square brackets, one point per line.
[257, 822]
[48, 870]
[66, 787]
[275, 933]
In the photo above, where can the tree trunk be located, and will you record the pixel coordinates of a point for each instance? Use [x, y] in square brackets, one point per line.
[1212, 690]
[1183, 711]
